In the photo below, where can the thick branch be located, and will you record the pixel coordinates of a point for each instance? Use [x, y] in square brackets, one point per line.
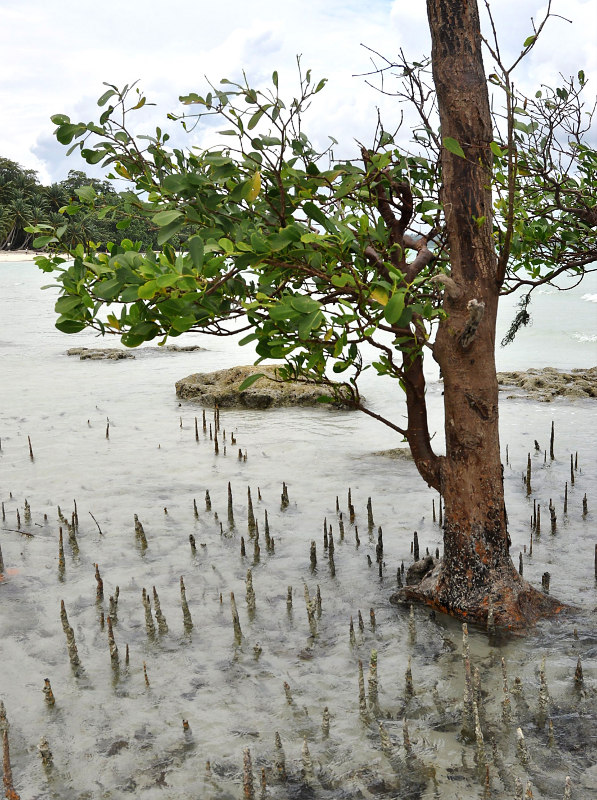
[396, 227]
[427, 462]
[424, 254]
[374, 258]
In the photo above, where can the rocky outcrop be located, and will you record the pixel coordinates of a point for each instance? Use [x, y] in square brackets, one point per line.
[396, 453]
[117, 353]
[548, 383]
[99, 353]
[222, 388]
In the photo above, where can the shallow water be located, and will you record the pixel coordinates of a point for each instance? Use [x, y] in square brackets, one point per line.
[112, 735]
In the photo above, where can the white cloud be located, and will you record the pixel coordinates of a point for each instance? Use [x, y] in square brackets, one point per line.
[56, 53]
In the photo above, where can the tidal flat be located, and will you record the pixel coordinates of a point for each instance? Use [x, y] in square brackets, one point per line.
[318, 686]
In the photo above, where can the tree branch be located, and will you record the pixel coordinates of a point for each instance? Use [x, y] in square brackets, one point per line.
[419, 440]
[379, 418]
[424, 254]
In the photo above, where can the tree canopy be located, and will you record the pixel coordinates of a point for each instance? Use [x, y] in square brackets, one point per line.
[317, 256]
[27, 205]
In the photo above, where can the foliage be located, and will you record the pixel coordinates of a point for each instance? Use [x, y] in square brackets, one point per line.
[26, 205]
[316, 257]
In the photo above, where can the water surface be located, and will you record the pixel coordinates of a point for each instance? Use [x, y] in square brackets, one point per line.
[112, 735]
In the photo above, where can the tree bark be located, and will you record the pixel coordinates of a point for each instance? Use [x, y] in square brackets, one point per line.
[476, 571]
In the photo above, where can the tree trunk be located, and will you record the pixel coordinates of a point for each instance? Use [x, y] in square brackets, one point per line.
[476, 571]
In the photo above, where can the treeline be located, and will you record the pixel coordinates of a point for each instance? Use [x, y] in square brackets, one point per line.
[25, 202]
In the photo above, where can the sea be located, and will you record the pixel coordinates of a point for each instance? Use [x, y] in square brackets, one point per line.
[87, 445]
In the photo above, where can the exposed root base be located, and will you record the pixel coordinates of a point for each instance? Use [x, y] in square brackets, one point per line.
[516, 604]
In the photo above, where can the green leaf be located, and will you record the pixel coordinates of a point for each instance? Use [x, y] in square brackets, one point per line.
[275, 78]
[175, 183]
[496, 149]
[520, 126]
[163, 218]
[169, 279]
[283, 311]
[308, 323]
[182, 324]
[453, 146]
[168, 231]
[315, 213]
[86, 193]
[226, 245]
[147, 291]
[144, 331]
[65, 133]
[259, 243]
[248, 382]
[529, 41]
[304, 304]
[105, 97]
[42, 241]
[196, 250]
[250, 338]
[308, 238]
[217, 160]
[108, 290]
[69, 325]
[341, 366]
[427, 205]
[60, 119]
[255, 119]
[106, 115]
[67, 304]
[93, 156]
[342, 280]
[394, 307]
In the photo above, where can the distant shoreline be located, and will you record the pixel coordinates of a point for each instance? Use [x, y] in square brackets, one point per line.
[18, 255]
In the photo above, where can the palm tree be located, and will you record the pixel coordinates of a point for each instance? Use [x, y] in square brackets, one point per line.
[56, 195]
[17, 214]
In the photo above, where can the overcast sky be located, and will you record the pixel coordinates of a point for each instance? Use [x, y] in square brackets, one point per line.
[54, 55]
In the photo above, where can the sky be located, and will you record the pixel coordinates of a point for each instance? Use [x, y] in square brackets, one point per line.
[56, 54]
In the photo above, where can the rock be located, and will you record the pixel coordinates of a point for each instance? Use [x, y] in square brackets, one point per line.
[396, 453]
[99, 353]
[116, 353]
[417, 571]
[222, 388]
[588, 779]
[176, 348]
[545, 384]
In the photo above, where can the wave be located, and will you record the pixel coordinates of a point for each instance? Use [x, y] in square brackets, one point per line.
[583, 337]
[591, 298]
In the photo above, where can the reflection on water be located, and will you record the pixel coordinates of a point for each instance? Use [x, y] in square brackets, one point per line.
[115, 733]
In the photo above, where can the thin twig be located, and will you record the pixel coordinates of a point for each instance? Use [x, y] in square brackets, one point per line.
[23, 533]
[97, 523]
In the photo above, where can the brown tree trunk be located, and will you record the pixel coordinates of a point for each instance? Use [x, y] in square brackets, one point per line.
[476, 571]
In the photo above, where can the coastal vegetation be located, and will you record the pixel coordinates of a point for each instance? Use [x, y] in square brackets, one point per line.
[405, 250]
[25, 202]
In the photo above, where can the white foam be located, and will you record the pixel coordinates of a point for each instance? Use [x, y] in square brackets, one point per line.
[582, 337]
[591, 298]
